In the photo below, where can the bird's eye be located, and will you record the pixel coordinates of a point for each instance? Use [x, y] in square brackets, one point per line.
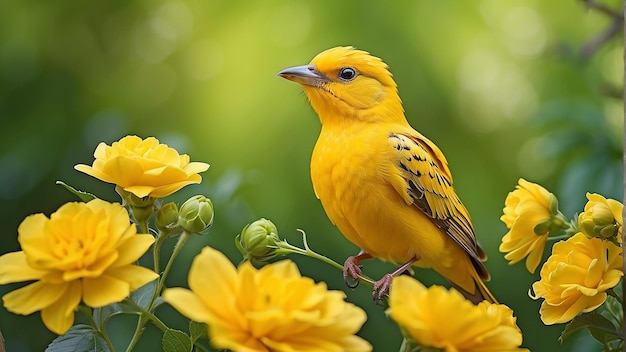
[347, 74]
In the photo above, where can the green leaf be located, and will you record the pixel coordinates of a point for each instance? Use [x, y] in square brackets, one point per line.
[197, 331]
[103, 314]
[84, 196]
[175, 341]
[80, 338]
[600, 327]
[143, 295]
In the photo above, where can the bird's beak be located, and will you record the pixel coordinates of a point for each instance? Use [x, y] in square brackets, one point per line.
[307, 74]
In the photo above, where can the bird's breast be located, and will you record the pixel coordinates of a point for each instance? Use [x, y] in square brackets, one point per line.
[350, 171]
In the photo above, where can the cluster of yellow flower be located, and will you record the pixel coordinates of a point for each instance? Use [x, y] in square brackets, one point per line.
[88, 252]
[583, 267]
[86, 255]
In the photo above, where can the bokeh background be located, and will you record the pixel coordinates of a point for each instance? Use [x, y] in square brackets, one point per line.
[507, 89]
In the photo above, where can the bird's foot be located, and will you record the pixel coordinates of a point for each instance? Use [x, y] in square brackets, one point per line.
[381, 288]
[352, 271]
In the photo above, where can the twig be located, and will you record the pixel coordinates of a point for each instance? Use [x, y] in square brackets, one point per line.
[592, 4]
[593, 45]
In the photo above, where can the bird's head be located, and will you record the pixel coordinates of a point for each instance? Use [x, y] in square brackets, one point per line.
[346, 83]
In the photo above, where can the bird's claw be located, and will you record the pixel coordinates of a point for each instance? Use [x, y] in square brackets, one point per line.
[381, 289]
[351, 272]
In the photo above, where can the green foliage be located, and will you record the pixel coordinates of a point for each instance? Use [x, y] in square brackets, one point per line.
[79, 338]
[500, 86]
[601, 328]
[176, 341]
[83, 196]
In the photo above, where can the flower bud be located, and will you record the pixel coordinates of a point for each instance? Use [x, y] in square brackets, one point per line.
[196, 214]
[258, 240]
[167, 217]
[598, 221]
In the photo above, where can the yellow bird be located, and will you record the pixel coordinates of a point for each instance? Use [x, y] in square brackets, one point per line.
[385, 186]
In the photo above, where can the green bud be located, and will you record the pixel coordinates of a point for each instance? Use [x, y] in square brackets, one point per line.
[167, 217]
[258, 240]
[598, 221]
[196, 214]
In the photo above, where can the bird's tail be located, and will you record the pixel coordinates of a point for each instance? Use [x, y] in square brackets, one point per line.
[481, 291]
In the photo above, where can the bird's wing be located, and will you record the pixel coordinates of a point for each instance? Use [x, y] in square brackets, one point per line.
[426, 182]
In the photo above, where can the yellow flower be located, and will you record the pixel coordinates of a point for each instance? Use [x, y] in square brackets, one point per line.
[84, 251]
[602, 217]
[528, 216]
[575, 277]
[444, 319]
[143, 167]
[269, 309]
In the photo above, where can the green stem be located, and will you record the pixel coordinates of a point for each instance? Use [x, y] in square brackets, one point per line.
[156, 321]
[147, 314]
[96, 325]
[140, 324]
[309, 253]
[558, 238]
[143, 227]
[157, 251]
[177, 248]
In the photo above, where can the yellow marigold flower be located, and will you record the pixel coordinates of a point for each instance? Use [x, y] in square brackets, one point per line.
[269, 309]
[529, 215]
[602, 217]
[444, 319]
[84, 251]
[575, 277]
[143, 167]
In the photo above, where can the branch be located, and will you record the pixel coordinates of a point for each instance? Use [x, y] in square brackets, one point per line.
[592, 4]
[590, 47]
[593, 45]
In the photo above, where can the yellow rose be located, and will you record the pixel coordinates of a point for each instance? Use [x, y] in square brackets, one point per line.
[143, 167]
[444, 319]
[602, 217]
[575, 277]
[269, 309]
[529, 214]
[84, 251]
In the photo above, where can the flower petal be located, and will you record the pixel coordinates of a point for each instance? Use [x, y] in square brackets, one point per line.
[59, 317]
[33, 297]
[215, 277]
[444, 319]
[136, 276]
[132, 248]
[103, 290]
[188, 304]
[15, 268]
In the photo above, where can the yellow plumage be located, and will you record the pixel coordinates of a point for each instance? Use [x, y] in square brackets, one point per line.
[385, 186]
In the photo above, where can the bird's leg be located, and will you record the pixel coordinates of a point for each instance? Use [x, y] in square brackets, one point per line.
[381, 287]
[352, 269]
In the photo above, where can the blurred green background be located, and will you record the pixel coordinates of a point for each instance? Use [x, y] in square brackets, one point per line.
[505, 88]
